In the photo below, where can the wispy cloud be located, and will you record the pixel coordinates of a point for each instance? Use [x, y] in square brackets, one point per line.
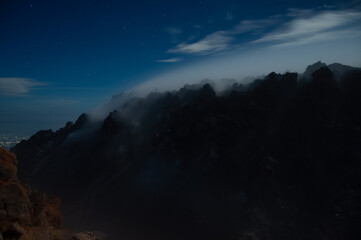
[220, 40]
[320, 37]
[296, 27]
[212, 43]
[252, 25]
[18, 86]
[170, 60]
[308, 27]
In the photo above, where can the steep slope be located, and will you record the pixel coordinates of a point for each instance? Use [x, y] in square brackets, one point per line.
[277, 159]
[25, 214]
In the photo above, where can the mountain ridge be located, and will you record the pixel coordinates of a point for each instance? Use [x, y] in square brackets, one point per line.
[212, 166]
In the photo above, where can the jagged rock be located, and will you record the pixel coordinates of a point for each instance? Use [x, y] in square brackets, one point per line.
[339, 71]
[312, 68]
[25, 214]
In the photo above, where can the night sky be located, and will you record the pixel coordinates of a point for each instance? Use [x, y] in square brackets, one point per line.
[61, 58]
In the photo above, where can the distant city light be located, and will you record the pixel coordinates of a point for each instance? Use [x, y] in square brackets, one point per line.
[8, 140]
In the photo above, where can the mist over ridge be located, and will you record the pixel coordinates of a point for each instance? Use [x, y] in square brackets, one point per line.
[196, 163]
[55, 86]
[180, 120]
[152, 89]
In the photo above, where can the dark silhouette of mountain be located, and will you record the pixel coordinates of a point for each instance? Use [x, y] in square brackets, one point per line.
[275, 159]
[312, 68]
[338, 70]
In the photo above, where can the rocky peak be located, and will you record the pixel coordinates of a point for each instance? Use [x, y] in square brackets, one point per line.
[112, 124]
[312, 68]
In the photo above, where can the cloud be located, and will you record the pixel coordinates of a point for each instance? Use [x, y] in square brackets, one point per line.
[289, 41]
[170, 60]
[220, 40]
[308, 27]
[18, 86]
[253, 62]
[321, 37]
[212, 43]
[252, 25]
[296, 27]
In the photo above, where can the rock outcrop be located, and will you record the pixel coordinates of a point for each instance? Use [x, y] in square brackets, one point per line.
[25, 214]
[8, 165]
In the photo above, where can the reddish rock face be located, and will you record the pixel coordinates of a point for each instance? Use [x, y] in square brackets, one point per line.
[25, 214]
[8, 164]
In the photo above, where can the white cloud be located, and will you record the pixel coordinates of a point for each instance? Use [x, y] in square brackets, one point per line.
[18, 86]
[212, 43]
[293, 41]
[254, 62]
[321, 37]
[308, 27]
[220, 40]
[170, 60]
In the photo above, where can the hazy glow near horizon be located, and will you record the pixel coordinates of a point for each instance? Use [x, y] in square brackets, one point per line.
[255, 63]
[306, 37]
[92, 51]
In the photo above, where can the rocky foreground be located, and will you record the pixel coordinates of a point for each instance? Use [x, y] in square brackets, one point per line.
[27, 214]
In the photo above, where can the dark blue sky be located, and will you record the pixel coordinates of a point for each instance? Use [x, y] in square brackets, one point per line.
[61, 58]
